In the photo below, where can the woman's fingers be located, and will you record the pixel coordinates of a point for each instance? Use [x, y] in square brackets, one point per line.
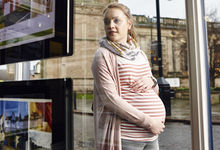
[137, 84]
[141, 82]
[157, 126]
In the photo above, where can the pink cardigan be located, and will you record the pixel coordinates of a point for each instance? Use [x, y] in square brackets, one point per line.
[108, 106]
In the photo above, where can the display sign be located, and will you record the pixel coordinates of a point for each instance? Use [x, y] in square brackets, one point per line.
[36, 115]
[36, 29]
[174, 82]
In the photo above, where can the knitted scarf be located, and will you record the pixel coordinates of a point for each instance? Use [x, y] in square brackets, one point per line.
[129, 51]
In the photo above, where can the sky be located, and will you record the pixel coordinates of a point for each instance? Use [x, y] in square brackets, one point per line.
[168, 8]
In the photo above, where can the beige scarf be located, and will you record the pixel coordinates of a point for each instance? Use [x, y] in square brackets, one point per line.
[129, 51]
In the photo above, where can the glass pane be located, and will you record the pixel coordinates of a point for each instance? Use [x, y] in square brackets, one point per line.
[89, 28]
[177, 134]
[213, 29]
[173, 45]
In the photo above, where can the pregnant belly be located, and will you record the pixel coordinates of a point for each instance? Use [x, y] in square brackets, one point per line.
[149, 103]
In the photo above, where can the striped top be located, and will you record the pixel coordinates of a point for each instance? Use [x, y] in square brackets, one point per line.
[148, 102]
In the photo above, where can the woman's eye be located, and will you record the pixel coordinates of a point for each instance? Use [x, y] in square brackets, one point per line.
[106, 22]
[116, 21]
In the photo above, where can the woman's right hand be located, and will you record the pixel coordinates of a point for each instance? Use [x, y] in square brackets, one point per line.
[157, 126]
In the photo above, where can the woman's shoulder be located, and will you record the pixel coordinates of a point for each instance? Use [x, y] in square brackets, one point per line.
[101, 51]
[102, 57]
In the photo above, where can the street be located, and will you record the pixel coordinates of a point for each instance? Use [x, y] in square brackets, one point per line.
[176, 136]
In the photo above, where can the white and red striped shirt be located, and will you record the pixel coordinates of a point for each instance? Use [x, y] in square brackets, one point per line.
[148, 102]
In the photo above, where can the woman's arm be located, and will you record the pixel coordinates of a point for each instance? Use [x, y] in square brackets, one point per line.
[107, 90]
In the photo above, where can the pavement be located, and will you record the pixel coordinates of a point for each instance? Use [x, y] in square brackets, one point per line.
[176, 136]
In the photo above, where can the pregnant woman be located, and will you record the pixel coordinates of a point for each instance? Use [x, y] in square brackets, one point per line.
[128, 113]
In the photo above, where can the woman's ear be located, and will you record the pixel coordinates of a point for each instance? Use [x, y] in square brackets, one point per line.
[130, 22]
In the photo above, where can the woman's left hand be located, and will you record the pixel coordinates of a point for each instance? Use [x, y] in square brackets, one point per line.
[142, 84]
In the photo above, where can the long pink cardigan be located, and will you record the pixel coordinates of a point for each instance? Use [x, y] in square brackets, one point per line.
[108, 106]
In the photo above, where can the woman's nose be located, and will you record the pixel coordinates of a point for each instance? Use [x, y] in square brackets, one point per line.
[111, 24]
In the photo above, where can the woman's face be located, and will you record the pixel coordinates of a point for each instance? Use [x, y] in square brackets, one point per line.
[116, 25]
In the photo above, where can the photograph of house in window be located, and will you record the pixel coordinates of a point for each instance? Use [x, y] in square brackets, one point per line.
[25, 124]
[25, 21]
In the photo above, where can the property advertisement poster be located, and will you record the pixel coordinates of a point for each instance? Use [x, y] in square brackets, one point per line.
[25, 124]
[25, 21]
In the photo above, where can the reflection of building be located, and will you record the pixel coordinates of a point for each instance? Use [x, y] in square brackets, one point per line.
[89, 28]
[9, 6]
[217, 59]
[217, 53]
[37, 6]
[13, 12]
[41, 7]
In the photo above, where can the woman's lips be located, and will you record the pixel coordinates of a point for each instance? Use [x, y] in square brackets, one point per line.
[111, 32]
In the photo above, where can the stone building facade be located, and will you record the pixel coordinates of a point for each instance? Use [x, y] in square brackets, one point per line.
[89, 28]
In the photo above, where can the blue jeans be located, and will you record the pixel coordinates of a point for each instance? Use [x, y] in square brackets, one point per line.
[135, 145]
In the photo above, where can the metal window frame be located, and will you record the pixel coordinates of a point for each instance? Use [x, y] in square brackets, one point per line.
[201, 123]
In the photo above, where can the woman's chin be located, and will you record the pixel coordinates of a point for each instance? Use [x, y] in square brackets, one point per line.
[112, 39]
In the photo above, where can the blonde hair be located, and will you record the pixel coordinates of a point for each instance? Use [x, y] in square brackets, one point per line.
[127, 13]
